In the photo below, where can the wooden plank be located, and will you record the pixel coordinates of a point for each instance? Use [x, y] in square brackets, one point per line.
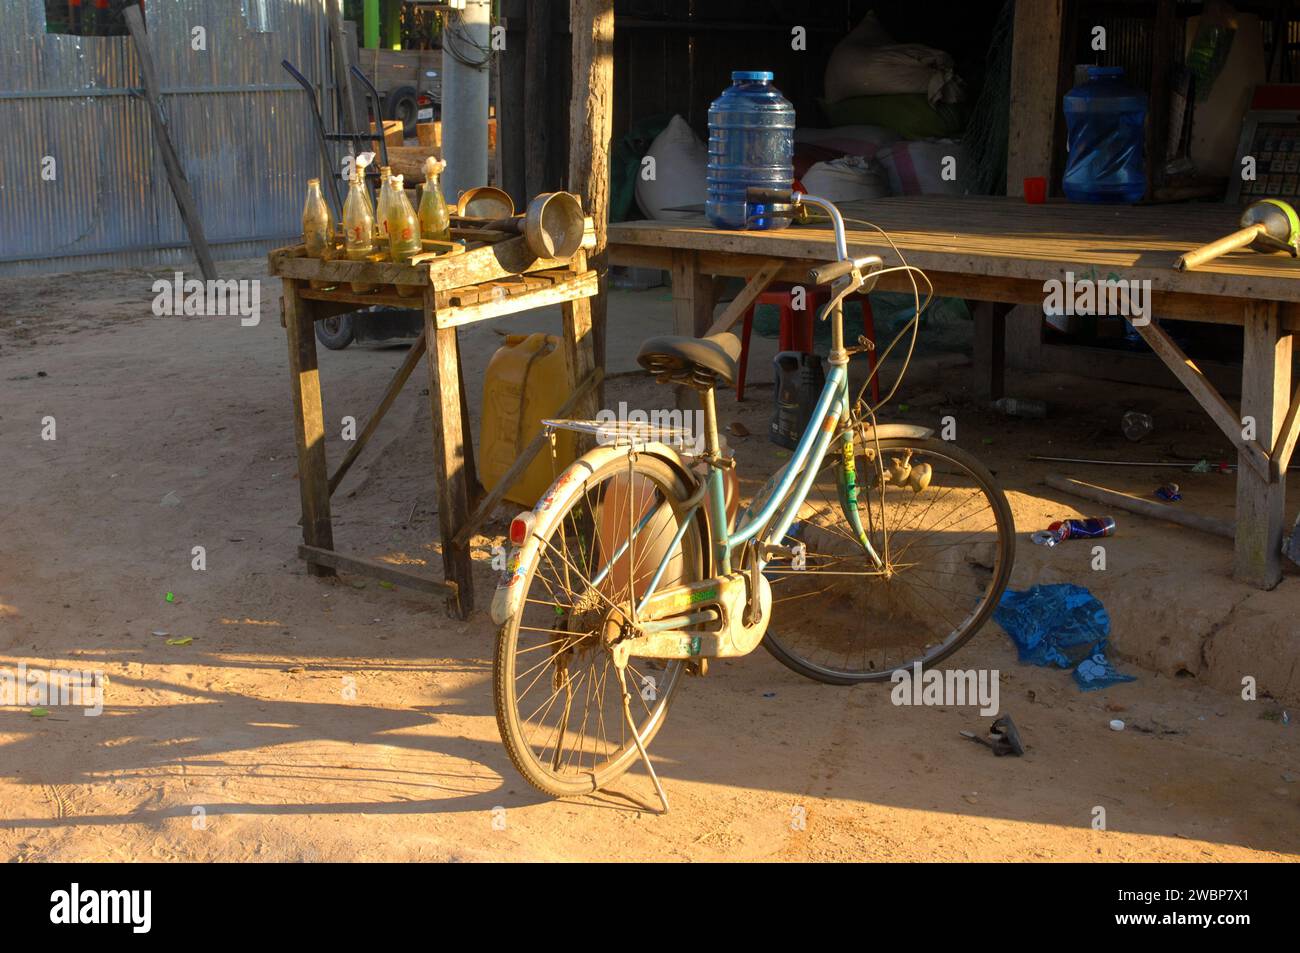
[1252, 452]
[491, 262]
[767, 272]
[319, 558]
[353, 300]
[1035, 57]
[581, 286]
[1284, 447]
[390, 394]
[449, 455]
[309, 426]
[997, 237]
[498, 492]
[591, 118]
[1261, 500]
[1143, 507]
[180, 186]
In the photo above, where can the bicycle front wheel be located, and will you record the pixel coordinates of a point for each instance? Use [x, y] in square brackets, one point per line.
[945, 533]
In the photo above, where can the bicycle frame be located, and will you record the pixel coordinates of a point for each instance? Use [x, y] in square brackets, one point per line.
[787, 490]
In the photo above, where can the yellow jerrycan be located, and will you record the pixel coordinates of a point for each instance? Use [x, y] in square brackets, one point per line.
[526, 381]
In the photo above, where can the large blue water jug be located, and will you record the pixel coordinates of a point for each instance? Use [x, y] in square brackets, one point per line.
[751, 143]
[1106, 120]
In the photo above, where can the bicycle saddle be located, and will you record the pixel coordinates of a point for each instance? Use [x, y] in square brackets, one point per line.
[691, 360]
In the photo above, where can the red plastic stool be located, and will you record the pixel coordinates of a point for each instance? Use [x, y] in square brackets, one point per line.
[797, 330]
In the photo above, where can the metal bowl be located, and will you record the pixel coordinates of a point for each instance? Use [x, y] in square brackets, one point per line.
[554, 225]
[485, 202]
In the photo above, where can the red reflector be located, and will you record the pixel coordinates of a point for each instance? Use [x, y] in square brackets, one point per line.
[518, 531]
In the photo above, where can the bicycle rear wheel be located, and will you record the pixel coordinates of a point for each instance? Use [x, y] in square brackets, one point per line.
[559, 702]
[937, 517]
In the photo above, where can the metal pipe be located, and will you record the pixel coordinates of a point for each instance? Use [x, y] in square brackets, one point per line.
[465, 98]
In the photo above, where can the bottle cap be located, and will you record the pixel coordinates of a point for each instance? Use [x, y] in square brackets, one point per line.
[752, 75]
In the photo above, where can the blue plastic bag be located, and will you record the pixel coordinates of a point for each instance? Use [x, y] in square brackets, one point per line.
[1063, 625]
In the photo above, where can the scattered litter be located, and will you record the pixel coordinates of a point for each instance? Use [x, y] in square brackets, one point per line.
[171, 499]
[295, 669]
[987, 441]
[1137, 425]
[1062, 625]
[385, 584]
[769, 694]
[1286, 718]
[1003, 738]
[39, 712]
[184, 641]
[903, 408]
[358, 584]
[1021, 407]
[1116, 725]
[737, 429]
[1169, 492]
[1096, 671]
[170, 597]
[1291, 546]
[1202, 466]
[1093, 527]
[970, 798]
[160, 632]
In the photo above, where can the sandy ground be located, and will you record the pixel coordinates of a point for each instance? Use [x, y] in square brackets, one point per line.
[337, 720]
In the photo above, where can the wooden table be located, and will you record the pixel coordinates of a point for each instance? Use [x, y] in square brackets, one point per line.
[487, 280]
[1000, 252]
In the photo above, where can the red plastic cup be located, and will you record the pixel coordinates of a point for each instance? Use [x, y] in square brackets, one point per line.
[1036, 190]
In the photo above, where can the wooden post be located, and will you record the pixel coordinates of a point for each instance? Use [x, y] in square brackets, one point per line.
[512, 99]
[591, 117]
[990, 348]
[1265, 393]
[343, 75]
[537, 92]
[449, 456]
[1035, 59]
[171, 161]
[308, 425]
[580, 351]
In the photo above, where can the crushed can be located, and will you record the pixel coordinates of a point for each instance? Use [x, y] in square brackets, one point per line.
[1093, 527]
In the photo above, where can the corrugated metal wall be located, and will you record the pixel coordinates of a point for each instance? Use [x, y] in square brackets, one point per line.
[241, 126]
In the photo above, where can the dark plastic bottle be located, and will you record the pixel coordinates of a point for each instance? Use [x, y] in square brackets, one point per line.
[799, 383]
[751, 143]
[1106, 120]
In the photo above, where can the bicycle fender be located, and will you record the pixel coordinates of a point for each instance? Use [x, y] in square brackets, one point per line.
[509, 593]
[886, 431]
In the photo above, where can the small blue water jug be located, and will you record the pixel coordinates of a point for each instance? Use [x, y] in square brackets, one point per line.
[751, 143]
[1106, 120]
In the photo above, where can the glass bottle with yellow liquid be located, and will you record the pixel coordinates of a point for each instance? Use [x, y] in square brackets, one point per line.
[403, 230]
[381, 204]
[435, 222]
[358, 226]
[318, 228]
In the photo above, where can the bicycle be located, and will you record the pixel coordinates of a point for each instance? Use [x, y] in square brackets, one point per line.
[629, 572]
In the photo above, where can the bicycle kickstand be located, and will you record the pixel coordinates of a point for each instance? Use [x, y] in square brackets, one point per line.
[636, 736]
